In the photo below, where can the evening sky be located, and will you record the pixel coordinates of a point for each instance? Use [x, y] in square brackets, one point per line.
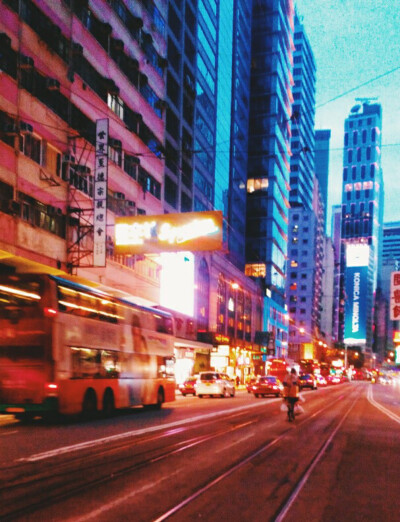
[356, 45]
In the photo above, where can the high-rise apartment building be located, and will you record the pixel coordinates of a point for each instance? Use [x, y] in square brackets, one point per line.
[269, 157]
[390, 262]
[206, 164]
[336, 227]
[66, 65]
[362, 211]
[302, 142]
[306, 202]
[322, 141]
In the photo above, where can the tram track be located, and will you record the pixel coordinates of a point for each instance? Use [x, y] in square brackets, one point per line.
[296, 488]
[47, 487]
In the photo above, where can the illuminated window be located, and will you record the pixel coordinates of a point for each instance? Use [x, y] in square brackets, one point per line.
[255, 184]
[256, 270]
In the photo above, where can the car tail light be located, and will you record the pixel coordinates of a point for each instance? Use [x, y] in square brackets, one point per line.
[51, 386]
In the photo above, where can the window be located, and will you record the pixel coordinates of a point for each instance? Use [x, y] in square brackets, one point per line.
[345, 174]
[115, 155]
[373, 134]
[372, 171]
[353, 172]
[31, 146]
[355, 137]
[368, 153]
[363, 172]
[52, 160]
[346, 139]
[349, 156]
[131, 164]
[364, 136]
[116, 105]
[359, 154]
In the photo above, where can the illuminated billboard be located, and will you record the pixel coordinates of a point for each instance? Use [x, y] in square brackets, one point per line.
[177, 282]
[187, 231]
[355, 331]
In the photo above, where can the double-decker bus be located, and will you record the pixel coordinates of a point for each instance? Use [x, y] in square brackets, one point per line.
[69, 348]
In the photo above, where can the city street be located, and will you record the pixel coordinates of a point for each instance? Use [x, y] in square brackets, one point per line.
[212, 459]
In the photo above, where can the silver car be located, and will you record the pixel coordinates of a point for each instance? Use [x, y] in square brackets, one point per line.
[215, 384]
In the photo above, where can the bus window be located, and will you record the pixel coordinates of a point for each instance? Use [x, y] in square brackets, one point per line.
[20, 300]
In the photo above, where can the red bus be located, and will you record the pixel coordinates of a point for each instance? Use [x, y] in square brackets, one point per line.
[279, 368]
[68, 348]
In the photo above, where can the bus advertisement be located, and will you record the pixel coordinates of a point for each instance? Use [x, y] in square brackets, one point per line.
[68, 348]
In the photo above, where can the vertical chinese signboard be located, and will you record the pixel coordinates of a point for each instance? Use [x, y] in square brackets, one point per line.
[100, 194]
[395, 296]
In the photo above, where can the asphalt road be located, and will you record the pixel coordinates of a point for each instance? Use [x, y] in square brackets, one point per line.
[233, 459]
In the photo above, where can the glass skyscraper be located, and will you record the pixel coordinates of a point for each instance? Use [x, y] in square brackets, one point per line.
[269, 157]
[362, 211]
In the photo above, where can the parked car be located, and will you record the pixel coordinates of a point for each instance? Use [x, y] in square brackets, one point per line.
[187, 387]
[215, 384]
[267, 385]
[308, 380]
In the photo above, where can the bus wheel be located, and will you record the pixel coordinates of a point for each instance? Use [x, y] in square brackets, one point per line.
[160, 399]
[89, 405]
[108, 403]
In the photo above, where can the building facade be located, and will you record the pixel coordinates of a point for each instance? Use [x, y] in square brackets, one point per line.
[322, 142]
[362, 211]
[269, 158]
[67, 65]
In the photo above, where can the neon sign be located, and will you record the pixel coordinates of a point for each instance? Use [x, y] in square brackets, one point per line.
[191, 231]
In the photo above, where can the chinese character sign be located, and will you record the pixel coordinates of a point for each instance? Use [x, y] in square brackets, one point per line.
[395, 296]
[100, 193]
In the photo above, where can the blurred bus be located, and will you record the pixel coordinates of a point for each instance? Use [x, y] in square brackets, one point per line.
[278, 368]
[68, 348]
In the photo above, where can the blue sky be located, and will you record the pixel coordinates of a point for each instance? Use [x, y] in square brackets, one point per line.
[355, 41]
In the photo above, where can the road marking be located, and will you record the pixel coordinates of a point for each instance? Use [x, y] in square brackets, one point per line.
[8, 433]
[384, 410]
[98, 442]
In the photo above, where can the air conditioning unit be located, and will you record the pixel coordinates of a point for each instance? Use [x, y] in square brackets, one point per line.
[130, 204]
[26, 62]
[52, 84]
[115, 144]
[25, 127]
[119, 195]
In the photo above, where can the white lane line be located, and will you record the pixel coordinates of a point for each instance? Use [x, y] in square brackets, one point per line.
[384, 410]
[133, 433]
